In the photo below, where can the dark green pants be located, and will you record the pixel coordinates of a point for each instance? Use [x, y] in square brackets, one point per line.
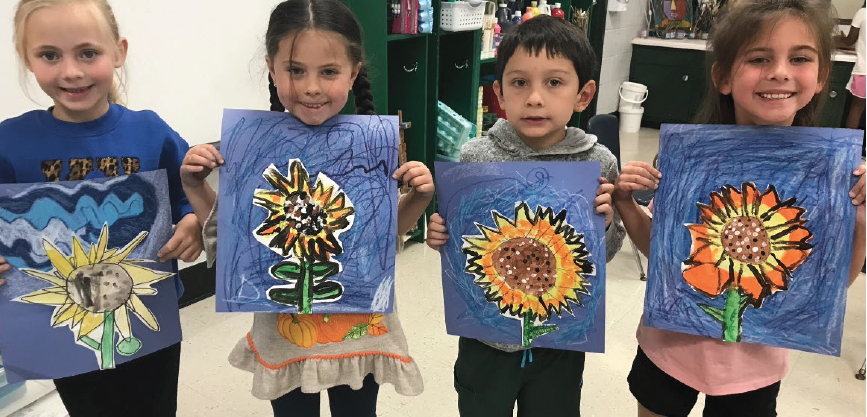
[490, 381]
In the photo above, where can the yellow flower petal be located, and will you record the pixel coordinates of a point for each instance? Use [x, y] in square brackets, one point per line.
[143, 290]
[121, 321]
[89, 323]
[79, 257]
[101, 244]
[123, 253]
[61, 264]
[143, 312]
[141, 275]
[49, 297]
[60, 282]
[64, 314]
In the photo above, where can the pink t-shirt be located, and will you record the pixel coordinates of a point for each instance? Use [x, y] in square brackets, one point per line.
[713, 366]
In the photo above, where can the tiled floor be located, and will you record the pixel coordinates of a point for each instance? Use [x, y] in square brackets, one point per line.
[816, 385]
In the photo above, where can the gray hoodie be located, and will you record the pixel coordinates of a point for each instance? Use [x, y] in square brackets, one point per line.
[503, 145]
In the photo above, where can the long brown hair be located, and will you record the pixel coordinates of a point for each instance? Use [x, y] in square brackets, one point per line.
[737, 27]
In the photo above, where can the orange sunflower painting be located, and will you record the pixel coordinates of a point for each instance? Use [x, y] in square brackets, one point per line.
[531, 267]
[747, 245]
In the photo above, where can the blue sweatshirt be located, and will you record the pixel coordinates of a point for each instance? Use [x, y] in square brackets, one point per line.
[36, 147]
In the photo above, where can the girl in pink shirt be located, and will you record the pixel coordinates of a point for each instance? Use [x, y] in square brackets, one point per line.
[758, 47]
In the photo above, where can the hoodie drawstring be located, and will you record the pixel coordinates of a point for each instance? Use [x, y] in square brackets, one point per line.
[528, 352]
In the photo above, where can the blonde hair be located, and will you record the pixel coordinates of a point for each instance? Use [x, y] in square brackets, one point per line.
[108, 24]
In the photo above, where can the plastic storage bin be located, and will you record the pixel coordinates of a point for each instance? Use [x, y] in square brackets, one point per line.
[461, 15]
[452, 131]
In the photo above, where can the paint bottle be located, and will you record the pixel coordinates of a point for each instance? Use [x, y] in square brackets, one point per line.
[558, 12]
[517, 19]
[528, 14]
[534, 6]
[544, 7]
[503, 13]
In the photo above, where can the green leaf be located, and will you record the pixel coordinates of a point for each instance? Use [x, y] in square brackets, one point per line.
[324, 269]
[128, 346]
[715, 313]
[537, 331]
[287, 271]
[328, 290]
[356, 331]
[287, 296]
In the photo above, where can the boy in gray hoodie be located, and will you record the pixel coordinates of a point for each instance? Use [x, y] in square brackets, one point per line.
[544, 70]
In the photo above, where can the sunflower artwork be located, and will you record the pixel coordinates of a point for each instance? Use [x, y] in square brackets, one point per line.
[303, 221]
[308, 215]
[94, 244]
[754, 245]
[525, 263]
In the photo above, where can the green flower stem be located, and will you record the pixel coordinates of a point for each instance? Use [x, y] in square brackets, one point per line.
[532, 331]
[733, 315]
[305, 303]
[108, 341]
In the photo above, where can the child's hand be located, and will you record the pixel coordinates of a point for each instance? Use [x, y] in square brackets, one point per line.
[636, 176]
[198, 164]
[186, 243]
[437, 233]
[603, 200]
[858, 195]
[417, 176]
[4, 267]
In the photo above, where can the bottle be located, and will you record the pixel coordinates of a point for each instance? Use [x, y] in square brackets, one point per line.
[534, 6]
[544, 7]
[558, 12]
[514, 6]
[528, 14]
[498, 36]
[503, 14]
[517, 19]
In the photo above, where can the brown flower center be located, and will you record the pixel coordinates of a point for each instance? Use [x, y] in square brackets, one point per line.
[526, 265]
[99, 288]
[305, 215]
[745, 239]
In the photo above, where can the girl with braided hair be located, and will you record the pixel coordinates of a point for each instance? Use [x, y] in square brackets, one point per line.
[315, 58]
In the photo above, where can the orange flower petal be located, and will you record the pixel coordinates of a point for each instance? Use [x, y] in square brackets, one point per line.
[751, 285]
[751, 196]
[706, 254]
[706, 278]
[777, 278]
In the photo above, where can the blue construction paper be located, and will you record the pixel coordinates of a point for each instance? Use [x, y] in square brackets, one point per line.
[467, 193]
[56, 212]
[814, 166]
[357, 153]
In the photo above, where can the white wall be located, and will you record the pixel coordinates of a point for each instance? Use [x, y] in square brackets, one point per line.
[620, 29]
[188, 59]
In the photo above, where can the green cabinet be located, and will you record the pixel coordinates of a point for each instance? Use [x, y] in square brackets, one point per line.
[677, 81]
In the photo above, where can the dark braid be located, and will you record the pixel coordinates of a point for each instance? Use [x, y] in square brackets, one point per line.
[363, 95]
[276, 105]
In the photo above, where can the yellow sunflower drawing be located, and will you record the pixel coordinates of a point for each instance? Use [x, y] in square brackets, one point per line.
[98, 288]
[747, 245]
[531, 267]
[302, 220]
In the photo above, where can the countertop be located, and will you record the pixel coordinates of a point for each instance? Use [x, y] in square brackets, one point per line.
[701, 45]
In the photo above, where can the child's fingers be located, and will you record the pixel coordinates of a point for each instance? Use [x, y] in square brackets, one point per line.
[192, 168]
[214, 153]
[436, 218]
[645, 166]
[200, 160]
[605, 188]
[437, 227]
[413, 173]
[171, 250]
[404, 168]
[440, 236]
[4, 268]
[857, 193]
[647, 183]
[191, 254]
